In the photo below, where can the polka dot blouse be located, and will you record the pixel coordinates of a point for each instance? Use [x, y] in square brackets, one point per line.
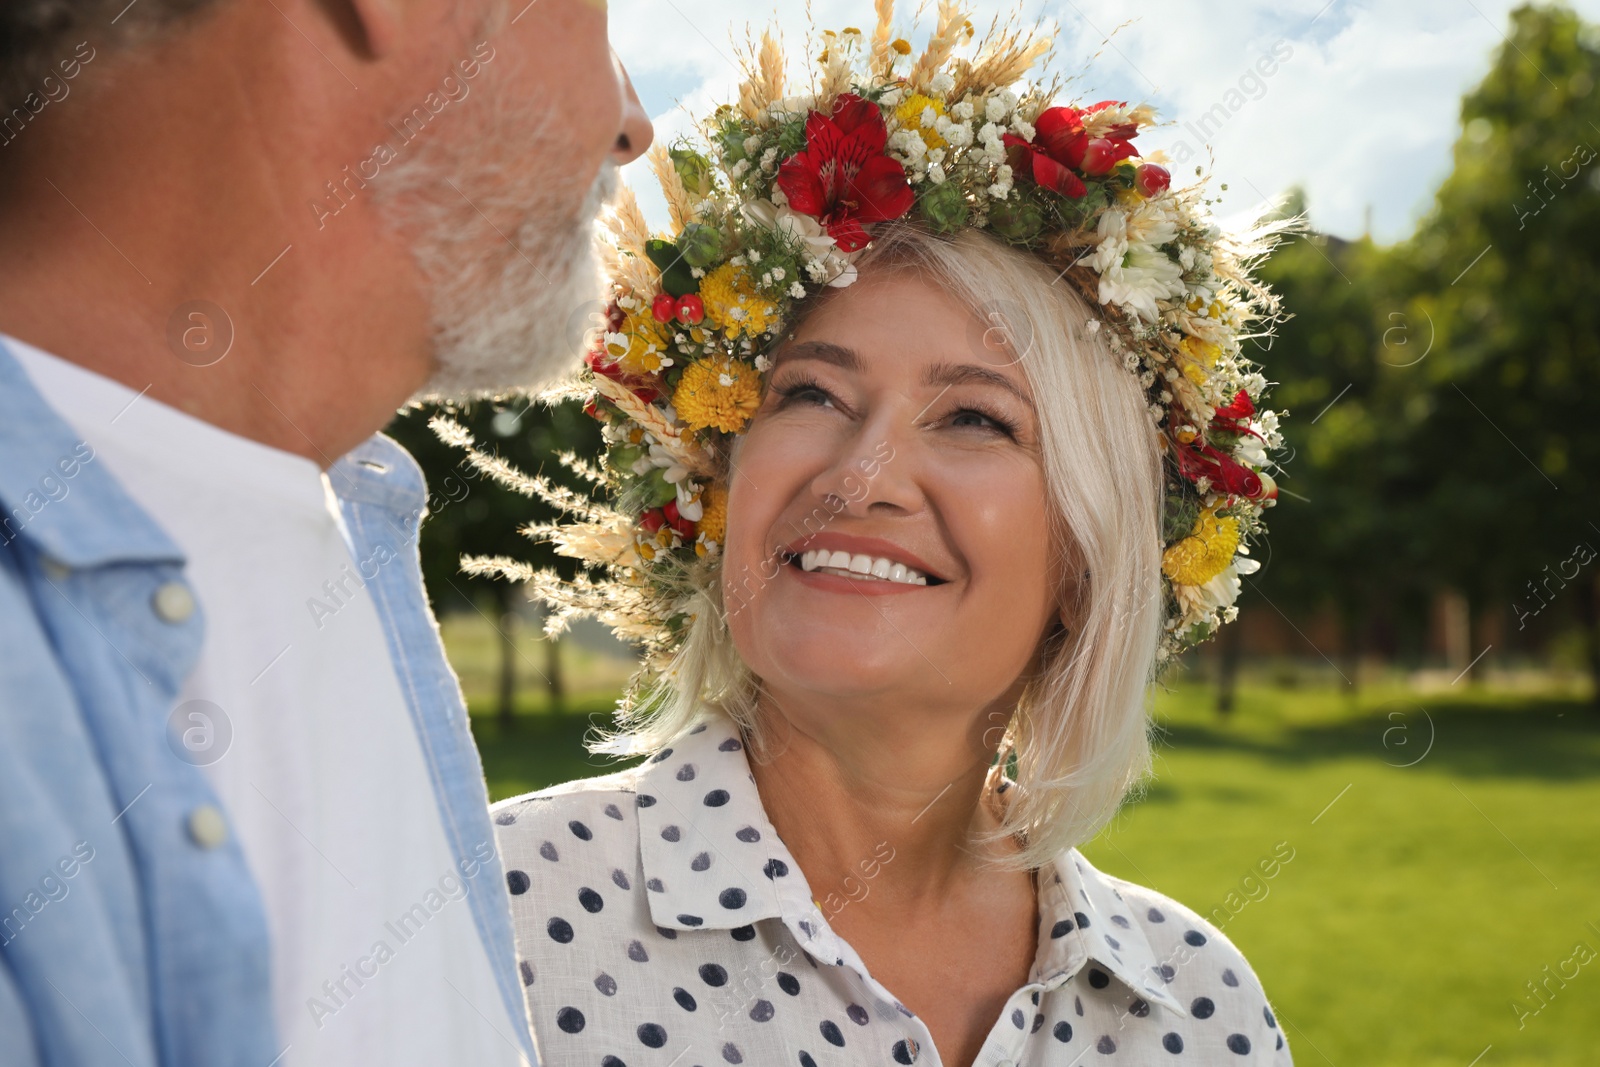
[660, 922]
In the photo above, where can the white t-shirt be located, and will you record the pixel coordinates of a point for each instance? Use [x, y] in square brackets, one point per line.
[305, 736]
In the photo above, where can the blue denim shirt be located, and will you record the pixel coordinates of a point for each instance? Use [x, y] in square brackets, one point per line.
[129, 937]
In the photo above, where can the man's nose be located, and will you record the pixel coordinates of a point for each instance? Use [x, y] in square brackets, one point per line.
[636, 133]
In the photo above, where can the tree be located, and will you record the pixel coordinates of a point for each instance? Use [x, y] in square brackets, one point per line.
[472, 515]
[1506, 266]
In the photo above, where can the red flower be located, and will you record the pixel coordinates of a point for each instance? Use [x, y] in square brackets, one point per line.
[1227, 474]
[600, 361]
[1060, 145]
[841, 177]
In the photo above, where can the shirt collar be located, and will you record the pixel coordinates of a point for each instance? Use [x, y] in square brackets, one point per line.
[69, 506]
[1082, 916]
[712, 860]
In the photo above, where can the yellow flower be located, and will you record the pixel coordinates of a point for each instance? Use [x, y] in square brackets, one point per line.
[1205, 553]
[732, 303]
[1200, 354]
[714, 512]
[645, 343]
[901, 45]
[910, 115]
[717, 392]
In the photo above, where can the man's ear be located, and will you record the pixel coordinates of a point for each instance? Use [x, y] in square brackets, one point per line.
[373, 24]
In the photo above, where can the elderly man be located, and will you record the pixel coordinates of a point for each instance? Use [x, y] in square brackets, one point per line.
[242, 820]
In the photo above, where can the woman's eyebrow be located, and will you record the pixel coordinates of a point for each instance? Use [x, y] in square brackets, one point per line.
[949, 374]
[827, 352]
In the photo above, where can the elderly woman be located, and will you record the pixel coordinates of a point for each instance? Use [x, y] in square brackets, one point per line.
[910, 593]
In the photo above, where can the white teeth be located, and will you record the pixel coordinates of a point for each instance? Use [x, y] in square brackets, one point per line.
[860, 566]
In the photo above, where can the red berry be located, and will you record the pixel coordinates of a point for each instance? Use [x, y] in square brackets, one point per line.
[683, 526]
[1151, 178]
[651, 520]
[664, 307]
[691, 310]
[1099, 156]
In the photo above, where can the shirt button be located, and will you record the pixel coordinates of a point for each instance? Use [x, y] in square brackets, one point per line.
[54, 570]
[173, 602]
[207, 826]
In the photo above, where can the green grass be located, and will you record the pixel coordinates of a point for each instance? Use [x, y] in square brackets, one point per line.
[1419, 898]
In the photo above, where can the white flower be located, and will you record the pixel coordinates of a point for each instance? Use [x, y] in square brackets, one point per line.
[763, 364]
[673, 471]
[962, 111]
[1133, 275]
[826, 263]
[1091, 327]
[998, 106]
[797, 291]
[689, 501]
[935, 173]
[778, 274]
[1254, 383]
[1251, 450]
[942, 83]
[1022, 127]
[907, 146]
[751, 143]
[1221, 591]
[725, 380]
[755, 256]
[959, 135]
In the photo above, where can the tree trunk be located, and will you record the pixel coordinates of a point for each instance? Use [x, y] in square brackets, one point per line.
[1589, 616]
[1353, 623]
[506, 622]
[552, 674]
[1228, 654]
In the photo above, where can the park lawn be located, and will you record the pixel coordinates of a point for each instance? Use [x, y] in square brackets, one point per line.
[1419, 899]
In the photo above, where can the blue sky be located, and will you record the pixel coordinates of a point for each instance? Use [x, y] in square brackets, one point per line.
[1362, 113]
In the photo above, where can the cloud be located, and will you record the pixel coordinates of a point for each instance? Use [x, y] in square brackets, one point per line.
[1362, 113]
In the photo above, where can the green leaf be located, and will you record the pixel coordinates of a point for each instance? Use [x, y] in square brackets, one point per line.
[676, 277]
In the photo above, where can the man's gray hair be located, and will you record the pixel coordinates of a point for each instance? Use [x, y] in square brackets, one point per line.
[37, 35]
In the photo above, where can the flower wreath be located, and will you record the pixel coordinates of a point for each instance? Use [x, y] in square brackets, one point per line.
[776, 201]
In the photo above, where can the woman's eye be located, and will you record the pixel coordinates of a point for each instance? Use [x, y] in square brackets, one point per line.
[804, 393]
[982, 420]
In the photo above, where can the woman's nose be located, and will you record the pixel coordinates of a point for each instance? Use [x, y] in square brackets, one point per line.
[636, 132]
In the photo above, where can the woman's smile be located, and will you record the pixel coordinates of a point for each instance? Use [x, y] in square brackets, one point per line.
[845, 563]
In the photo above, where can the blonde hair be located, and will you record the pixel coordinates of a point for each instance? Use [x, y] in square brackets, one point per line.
[1080, 732]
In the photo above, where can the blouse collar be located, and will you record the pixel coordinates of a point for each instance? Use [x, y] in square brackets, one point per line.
[712, 860]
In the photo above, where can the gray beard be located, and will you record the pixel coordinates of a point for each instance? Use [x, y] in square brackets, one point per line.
[509, 306]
